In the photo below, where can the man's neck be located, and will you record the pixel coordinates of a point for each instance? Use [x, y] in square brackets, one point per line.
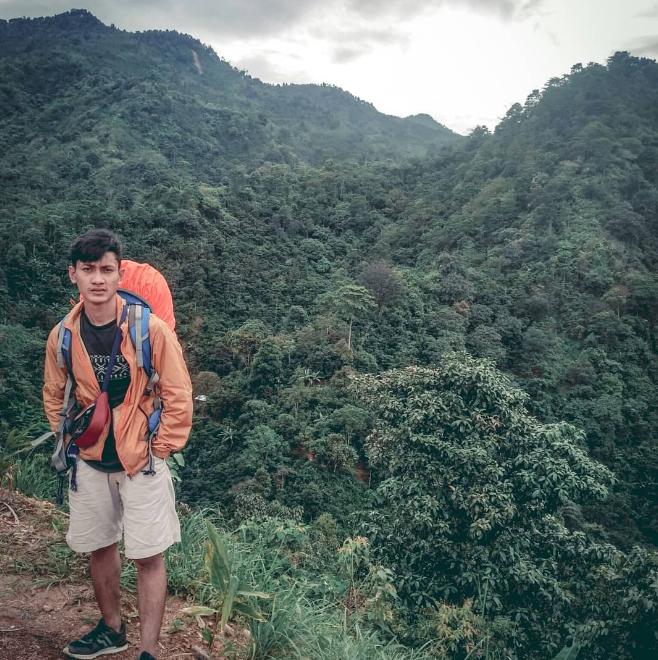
[101, 314]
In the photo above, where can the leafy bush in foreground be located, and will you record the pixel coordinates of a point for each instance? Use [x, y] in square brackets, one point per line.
[470, 491]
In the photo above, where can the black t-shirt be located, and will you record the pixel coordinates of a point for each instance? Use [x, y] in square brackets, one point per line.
[98, 340]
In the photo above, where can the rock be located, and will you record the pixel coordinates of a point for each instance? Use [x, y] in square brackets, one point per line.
[199, 653]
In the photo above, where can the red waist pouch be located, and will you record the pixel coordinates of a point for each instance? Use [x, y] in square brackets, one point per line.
[91, 423]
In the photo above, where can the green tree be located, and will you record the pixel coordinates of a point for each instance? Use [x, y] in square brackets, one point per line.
[348, 302]
[245, 341]
[264, 448]
[470, 487]
[267, 366]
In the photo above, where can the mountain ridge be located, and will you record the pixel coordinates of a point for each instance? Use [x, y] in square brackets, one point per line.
[285, 122]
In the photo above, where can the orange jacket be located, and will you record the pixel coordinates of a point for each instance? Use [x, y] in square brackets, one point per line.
[130, 417]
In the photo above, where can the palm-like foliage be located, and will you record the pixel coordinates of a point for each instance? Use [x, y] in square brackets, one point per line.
[230, 594]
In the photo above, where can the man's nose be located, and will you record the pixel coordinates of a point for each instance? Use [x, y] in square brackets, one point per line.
[97, 276]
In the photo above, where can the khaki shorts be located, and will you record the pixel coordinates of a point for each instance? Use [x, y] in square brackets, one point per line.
[106, 506]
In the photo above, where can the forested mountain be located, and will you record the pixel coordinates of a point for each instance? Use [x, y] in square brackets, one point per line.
[72, 80]
[497, 295]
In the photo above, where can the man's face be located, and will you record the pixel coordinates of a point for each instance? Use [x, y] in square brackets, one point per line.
[97, 281]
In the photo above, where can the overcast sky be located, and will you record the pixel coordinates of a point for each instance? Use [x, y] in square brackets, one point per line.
[464, 62]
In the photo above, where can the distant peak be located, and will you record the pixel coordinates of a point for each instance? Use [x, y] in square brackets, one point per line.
[78, 16]
[78, 12]
[73, 17]
[423, 118]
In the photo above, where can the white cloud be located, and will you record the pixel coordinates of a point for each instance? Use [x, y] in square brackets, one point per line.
[645, 46]
[274, 66]
[401, 9]
[255, 18]
[649, 12]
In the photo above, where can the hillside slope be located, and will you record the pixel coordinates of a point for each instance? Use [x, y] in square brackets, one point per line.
[549, 235]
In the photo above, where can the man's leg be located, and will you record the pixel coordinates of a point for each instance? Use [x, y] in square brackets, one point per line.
[95, 527]
[150, 526]
[105, 575]
[151, 595]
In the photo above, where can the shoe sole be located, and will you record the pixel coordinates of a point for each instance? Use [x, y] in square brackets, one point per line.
[87, 656]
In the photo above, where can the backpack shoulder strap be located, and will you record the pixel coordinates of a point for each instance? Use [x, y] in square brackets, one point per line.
[60, 343]
[59, 461]
[138, 326]
[64, 348]
[139, 315]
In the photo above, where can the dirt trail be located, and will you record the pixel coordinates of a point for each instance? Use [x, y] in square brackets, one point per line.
[46, 598]
[37, 623]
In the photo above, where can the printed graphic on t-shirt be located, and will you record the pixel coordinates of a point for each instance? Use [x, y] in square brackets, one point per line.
[120, 371]
[119, 379]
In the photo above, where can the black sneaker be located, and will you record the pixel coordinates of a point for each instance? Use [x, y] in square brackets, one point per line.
[102, 640]
[145, 655]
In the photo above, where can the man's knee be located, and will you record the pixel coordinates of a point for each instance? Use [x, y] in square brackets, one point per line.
[149, 563]
[107, 551]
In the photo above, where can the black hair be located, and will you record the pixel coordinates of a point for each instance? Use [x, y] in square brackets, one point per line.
[92, 245]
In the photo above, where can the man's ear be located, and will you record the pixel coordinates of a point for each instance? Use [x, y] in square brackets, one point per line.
[72, 275]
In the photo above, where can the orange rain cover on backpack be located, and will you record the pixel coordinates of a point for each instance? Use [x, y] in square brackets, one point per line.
[150, 284]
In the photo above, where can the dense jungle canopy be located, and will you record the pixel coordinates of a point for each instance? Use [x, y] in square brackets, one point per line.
[445, 344]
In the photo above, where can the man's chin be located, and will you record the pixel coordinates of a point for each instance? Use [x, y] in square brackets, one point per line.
[98, 298]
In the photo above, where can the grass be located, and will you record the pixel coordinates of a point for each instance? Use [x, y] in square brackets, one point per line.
[302, 621]
[302, 628]
[34, 477]
[299, 624]
[184, 561]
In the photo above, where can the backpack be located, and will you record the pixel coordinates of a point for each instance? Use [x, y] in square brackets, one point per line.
[149, 285]
[144, 280]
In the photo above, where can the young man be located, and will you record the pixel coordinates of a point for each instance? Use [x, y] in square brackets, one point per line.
[114, 495]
